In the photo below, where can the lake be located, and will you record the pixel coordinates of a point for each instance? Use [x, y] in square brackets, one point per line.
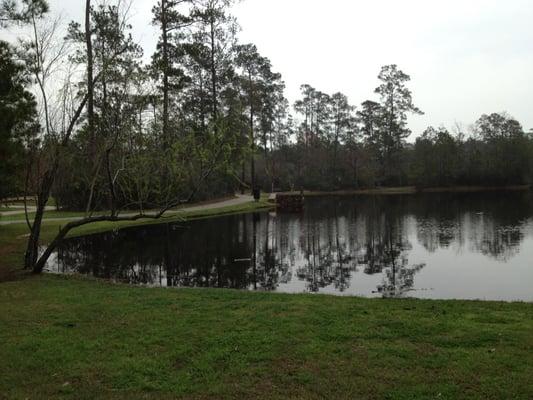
[437, 246]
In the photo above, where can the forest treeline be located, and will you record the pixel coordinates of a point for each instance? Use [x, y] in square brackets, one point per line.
[205, 96]
[87, 120]
[496, 151]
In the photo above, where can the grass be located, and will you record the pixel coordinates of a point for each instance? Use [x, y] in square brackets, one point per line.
[5, 209]
[262, 205]
[79, 338]
[47, 214]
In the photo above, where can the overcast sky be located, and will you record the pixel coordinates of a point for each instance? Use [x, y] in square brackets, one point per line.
[465, 57]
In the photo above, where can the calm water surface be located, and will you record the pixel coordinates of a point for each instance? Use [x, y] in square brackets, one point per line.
[440, 246]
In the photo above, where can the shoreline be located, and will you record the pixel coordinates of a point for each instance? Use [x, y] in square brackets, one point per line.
[405, 190]
[13, 236]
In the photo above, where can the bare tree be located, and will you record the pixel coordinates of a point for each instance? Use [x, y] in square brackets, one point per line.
[62, 117]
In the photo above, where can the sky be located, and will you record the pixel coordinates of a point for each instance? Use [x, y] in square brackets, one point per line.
[465, 57]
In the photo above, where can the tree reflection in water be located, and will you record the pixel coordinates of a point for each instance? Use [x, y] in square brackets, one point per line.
[331, 247]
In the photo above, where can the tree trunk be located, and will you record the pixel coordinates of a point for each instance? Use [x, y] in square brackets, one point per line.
[252, 133]
[164, 33]
[90, 81]
[243, 178]
[112, 193]
[355, 171]
[32, 249]
[252, 138]
[213, 71]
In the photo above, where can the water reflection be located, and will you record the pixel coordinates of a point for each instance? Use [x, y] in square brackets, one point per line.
[439, 246]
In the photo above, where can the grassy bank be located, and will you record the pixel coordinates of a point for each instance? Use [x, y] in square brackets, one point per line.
[81, 339]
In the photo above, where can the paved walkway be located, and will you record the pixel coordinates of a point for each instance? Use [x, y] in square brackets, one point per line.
[20, 210]
[238, 200]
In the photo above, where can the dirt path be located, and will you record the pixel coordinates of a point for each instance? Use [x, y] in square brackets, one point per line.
[238, 200]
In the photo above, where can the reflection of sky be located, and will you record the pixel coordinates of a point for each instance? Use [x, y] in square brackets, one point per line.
[459, 272]
[457, 264]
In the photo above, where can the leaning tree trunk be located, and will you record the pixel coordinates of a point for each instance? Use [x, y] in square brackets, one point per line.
[38, 263]
[32, 249]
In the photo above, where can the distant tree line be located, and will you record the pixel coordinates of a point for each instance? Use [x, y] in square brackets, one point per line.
[496, 151]
[338, 146]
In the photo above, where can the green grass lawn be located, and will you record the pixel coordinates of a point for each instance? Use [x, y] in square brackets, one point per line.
[47, 214]
[81, 339]
[77, 338]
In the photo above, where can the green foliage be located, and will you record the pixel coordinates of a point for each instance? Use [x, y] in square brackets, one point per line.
[364, 147]
[18, 124]
[498, 126]
[131, 161]
[177, 127]
[436, 158]
[499, 154]
[396, 104]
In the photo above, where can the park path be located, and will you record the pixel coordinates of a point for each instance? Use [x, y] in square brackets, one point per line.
[20, 210]
[237, 201]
